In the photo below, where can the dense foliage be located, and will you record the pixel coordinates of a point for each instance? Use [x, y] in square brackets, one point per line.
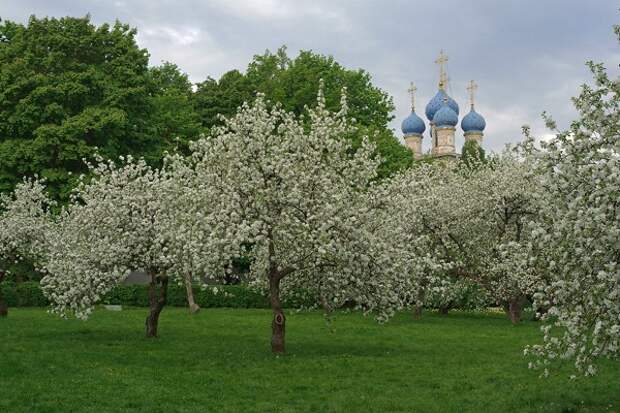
[293, 83]
[69, 87]
[30, 294]
[174, 120]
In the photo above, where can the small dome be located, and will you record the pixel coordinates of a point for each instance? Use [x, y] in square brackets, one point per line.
[413, 124]
[445, 116]
[473, 121]
[437, 101]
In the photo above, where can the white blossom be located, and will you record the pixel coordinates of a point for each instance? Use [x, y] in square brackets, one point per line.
[25, 219]
[577, 241]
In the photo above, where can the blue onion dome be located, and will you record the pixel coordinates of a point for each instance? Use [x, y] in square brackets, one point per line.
[446, 116]
[473, 122]
[437, 101]
[413, 124]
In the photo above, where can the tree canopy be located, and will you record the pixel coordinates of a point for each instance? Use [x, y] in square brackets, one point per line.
[293, 83]
[70, 88]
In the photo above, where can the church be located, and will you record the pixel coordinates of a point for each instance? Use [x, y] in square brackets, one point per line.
[442, 113]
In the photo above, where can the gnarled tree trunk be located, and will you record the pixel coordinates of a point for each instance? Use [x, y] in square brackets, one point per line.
[4, 308]
[514, 309]
[157, 301]
[278, 323]
[193, 307]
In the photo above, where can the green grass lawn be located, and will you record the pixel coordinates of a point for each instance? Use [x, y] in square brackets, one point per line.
[219, 360]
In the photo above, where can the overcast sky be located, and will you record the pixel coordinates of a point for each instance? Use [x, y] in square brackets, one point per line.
[526, 55]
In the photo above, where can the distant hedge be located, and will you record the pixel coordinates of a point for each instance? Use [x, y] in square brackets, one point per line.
[234, 296]
[23, 294]
[29, 294]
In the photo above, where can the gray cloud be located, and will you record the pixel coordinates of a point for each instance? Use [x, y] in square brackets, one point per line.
[527, 56]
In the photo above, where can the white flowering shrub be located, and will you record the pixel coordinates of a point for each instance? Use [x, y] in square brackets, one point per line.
[25, 219]
[578, 240]
[297, 201]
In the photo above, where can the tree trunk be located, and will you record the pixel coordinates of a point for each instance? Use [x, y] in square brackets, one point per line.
[156, 303]
[4, 308]
[515, 308]
[418, 304]
[193, 307]
[417, 311]
[443, 310]
[278, 323]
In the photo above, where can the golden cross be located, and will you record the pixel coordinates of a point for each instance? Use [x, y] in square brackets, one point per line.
[412, 89]
[443, 77]
[472, 89]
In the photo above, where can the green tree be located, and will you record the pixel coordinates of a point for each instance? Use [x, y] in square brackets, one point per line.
[173, 118]
[294, 84]
[223, 97]
[473, 154]
[70, 87]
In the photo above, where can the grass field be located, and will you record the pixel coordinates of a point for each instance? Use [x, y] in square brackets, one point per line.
[219, 361]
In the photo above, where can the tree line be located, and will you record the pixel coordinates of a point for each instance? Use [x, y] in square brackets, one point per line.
[71, 88]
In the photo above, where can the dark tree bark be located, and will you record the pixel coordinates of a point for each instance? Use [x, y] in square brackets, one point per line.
[444, 309]
[4, 308]
[514, 309]
[157, 301]
[278, 323]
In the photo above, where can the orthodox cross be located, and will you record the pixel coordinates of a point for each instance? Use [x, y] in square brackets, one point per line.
[443, 77]
[472, 89]
[412, 89]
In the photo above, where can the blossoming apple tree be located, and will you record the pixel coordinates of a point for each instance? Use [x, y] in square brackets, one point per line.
[578, 239]
[297, 195]
[127, 218]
